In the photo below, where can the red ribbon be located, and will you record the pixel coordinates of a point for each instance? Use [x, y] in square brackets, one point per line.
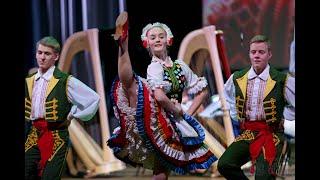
[45, 142]
[264, 139]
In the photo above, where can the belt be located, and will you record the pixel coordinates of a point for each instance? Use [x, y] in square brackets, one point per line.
[54, 125]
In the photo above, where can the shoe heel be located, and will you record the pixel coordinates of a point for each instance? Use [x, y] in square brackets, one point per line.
[121, 27]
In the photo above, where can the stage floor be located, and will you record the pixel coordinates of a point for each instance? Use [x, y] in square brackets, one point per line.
[131, 173]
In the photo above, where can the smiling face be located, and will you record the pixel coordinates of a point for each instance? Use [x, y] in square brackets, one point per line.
[259, 56]
[46, 57]
[157, 41]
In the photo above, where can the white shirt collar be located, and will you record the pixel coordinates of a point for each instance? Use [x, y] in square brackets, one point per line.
[264, 75]
[167, 61]
[47, 75]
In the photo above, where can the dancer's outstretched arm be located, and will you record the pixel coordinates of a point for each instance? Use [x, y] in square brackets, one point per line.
[197, 101]
[169, 105]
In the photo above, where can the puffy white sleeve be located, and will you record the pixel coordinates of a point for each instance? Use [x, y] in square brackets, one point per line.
[229, 93]
[85, 101]
[289, 94]
[155, 77]
[289, 109]
[195, 84]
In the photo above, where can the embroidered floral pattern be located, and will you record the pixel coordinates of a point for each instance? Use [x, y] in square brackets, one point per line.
[175, 77]
[31, 140]
[58, 143]
[246, 135]
[249, 135]
[276, 139]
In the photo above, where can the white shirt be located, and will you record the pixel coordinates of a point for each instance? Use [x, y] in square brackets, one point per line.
[289, 95]
[292, 58]
[155, 72]
[85, 101]
[255, 89]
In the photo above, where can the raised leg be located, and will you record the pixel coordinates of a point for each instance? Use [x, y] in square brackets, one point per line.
[125, 71]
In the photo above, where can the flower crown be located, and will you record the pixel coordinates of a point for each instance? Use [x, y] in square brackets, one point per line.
[156, 24]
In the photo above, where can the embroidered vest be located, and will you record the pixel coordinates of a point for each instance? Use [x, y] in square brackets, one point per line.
[175, 76]
[57, 106]
[273, 101]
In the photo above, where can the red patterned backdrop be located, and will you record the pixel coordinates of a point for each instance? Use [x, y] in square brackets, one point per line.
[242, 19]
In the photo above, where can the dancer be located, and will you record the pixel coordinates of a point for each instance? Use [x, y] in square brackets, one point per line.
[52, 100]
[154, 131]
[257, 97]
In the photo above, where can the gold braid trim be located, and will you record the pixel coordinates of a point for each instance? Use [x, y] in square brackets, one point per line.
[58, 143]
[273, 112]
[31, 140]
[249, 135]
[276, 139]
[246, 135]
[27, 108]
[240, 107]
[53, 104]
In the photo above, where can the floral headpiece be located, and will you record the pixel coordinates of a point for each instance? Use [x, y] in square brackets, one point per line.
[156, 24]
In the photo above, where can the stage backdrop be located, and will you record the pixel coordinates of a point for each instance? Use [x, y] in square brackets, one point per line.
[242, 19]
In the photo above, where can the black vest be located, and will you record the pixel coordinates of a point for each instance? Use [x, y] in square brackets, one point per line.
[273, 101]
[57, 105]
